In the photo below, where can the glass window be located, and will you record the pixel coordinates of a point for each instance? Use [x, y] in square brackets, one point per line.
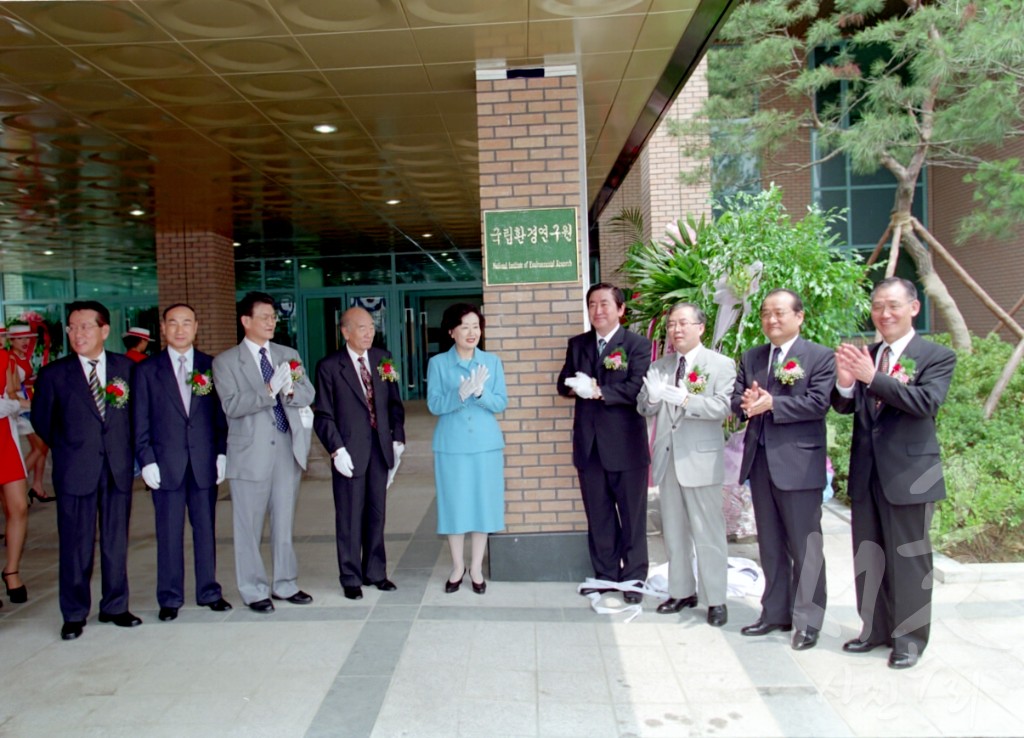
[279, 275]
[138, 279]
[49, 285]
[421, 268]
[248, 276]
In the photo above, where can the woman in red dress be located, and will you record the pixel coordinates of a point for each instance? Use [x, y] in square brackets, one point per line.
[12, 488]
[22, 338]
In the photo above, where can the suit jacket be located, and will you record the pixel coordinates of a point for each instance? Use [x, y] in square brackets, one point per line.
[342, 417]
[64, 415]
[466, 427]
[693, 433]
[165, 435]
[899, 437]
[794, 431]
[613, 423]
[250, 411]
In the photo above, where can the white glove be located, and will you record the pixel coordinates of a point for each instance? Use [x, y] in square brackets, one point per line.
[289, 385]
[465, 388]
[480, 376]
[399, 449]
[674, 395]
[151, 476]
[222, 468]
[655, 384]
[343, 462]
[281, 376]
[582, 384]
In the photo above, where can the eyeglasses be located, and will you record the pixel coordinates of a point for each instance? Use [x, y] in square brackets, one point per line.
[892, 306]
[268, 318]
[84, 328]
[680, 324]
[777, 314]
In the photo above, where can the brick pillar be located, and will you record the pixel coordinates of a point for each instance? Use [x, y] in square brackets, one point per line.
[195, 260]
[530, 158]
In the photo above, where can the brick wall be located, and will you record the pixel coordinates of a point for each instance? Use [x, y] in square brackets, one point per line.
[529, 157]
[195, 259]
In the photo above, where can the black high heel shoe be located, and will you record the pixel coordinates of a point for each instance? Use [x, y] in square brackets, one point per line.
[450, 586]
[18, 595]
[478, 588]
[35, 496]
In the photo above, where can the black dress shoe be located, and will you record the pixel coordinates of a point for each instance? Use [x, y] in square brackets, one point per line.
[220, 605]
[596, 590]
[168, 613]
[299, 598]
[804, 639]
[761, 628]
[384, 585]
[859, 646]
[902, 660]
[633, 598]
[122, 619]
[353, 593]
[262, 606]
[71, 630]
[718, 615]
[673, 604]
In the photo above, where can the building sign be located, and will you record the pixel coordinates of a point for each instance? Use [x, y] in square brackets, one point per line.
[530, 246]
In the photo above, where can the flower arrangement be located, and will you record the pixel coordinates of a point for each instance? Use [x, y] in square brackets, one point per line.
[903, 370]
[696, 380]
[116, 393]
[297, 371]
[616, 360]
[386, 370]
[201, 383]
[789, 372]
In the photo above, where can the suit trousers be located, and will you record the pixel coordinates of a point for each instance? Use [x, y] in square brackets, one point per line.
[76, 531]
[693, 523]
[359, 504]
[893, 565]
[792, 551]
[169, 507]
[616, 508]
[250, 502]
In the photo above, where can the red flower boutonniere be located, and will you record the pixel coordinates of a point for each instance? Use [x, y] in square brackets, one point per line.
[903, 370]
[386, 370]
[201, 383]
[696, 380]
[116, 393]
[789, 372]
[297, 371]
[616, 360]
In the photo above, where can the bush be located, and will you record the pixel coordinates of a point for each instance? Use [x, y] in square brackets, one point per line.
[983, 459]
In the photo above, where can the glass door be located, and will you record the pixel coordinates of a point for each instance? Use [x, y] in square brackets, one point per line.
[322, 334]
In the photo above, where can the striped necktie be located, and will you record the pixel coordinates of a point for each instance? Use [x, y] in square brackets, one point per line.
[267, 371]
[96, 389]
[883, 368]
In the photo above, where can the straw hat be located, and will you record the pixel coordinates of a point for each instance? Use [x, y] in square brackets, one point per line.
[137, 333]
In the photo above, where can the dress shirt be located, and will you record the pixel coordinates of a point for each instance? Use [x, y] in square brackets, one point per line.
[189, 355]
[689, 357]
[896, 349]
[355, 362]
[607, 339]
[101, 367]
[782, 353]
[254, 349]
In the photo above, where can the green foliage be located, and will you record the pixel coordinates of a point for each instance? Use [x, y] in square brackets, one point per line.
[753, 229]
[999, 200]
[983, 460]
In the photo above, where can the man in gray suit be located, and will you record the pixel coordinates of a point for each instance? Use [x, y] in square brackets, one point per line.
[688, 393]
[261, 392]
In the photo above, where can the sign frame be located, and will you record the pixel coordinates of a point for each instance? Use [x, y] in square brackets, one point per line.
[530, 242]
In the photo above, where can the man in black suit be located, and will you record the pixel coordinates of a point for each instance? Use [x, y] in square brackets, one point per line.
[894, 388]
[180, 442]
[604, 370]
[360, 419]
[783, 389]
[81, 411]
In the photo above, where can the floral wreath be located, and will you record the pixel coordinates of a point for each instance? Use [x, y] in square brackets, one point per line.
[789, 372]
[386, 369]
[116, 393]
[903, 370]
[696, 380]
[297, 371]
[616, 360]
[201, 383]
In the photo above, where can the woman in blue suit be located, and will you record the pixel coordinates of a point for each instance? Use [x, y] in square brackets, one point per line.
[466, 389]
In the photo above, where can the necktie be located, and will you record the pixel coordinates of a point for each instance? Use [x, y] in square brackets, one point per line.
[601, 344]
[97, 391]
[883, 368]
[364, 374]
[183, 388]
[265, 369]
[772, 365]
[680, 371]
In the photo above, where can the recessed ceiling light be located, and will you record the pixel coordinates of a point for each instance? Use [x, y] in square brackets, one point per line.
[47, 253]
[444, 253]
[135, 269]
[428, 235]
[393, 202]
[136, 211]
[236, 244]
[325, 128]
[287, 261]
